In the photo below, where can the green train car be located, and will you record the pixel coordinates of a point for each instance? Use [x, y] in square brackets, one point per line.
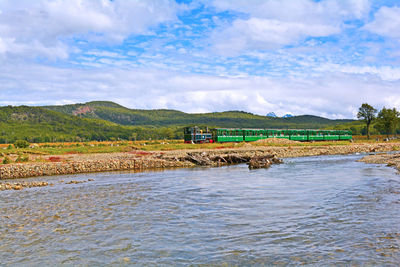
[238, 135]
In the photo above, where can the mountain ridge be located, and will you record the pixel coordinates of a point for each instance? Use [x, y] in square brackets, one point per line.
[116, 113]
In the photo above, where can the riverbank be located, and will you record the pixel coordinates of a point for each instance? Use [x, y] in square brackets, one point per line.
[391, 160]
[138, 160]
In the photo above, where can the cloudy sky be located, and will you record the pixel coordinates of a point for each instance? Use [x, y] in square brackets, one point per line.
[322, 57]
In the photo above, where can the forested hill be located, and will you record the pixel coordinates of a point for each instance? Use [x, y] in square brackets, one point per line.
[113, 112]
[110, 121]
[37, 124]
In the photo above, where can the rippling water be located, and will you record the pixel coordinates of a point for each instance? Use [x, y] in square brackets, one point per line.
[318, 210]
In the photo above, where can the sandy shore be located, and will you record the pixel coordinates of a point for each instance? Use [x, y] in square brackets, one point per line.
[143, 160]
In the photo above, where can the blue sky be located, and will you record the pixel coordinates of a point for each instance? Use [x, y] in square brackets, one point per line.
[322, 57]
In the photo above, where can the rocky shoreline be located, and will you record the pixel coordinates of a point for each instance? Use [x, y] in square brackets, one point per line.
[391, 160]
[143, 160]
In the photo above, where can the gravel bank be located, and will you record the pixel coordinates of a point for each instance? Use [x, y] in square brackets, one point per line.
[142, 160]
[391, 160]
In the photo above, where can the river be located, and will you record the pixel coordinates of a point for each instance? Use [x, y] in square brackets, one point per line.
[326, 210]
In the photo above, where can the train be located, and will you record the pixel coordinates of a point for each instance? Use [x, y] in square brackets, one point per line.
[204, 135]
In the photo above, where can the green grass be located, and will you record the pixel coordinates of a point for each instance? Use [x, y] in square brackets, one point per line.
[113, 147]
[145, 146]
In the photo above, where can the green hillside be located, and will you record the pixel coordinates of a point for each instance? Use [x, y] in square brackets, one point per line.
[36, 124]
[101, 120]
[358, 127]
[161, 117]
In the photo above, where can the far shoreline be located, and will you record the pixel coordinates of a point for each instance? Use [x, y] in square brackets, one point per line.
[140, 160]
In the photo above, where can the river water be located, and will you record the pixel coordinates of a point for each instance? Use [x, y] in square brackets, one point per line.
[327, 210]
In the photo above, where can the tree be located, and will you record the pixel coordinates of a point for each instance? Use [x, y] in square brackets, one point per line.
[367, 113]
[21, 144]
[388, 120]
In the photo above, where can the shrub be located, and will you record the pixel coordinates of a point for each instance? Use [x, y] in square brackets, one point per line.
[21, 144]
[6, 160]
[22, 158]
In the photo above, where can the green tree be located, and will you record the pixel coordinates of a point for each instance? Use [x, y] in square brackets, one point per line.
[367, 113]
[166, 133]
[6, 160]
[21, 144]
[388, 120]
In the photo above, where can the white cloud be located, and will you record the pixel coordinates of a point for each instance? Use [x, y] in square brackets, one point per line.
[334, 95]
[155, 72]
[325, 11]
[275, 23]
[386, 73]
[266, 34]
[386, 22]
[42, 27]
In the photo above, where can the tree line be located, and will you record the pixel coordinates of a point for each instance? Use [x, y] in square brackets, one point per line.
[385, 121]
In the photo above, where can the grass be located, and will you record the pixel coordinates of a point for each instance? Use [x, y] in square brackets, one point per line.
[155, 145]
[110, 147]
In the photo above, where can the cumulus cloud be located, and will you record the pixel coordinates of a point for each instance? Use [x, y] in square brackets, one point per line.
[325, 10]
[42, 27]
[275, 65]
[275, 23]
[386, 73]
[333, 95]
[256, 33]
[386, 22]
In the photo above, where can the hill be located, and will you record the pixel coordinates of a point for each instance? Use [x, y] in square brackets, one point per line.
[37, 124]
[113, 112]
[102, 120]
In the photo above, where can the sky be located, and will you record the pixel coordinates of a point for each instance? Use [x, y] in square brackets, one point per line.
[295, 57]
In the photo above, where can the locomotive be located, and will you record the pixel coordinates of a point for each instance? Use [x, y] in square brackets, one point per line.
[201, 135]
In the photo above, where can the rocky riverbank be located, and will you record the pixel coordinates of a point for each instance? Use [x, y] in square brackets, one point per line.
[391, 160]
[143, 160]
